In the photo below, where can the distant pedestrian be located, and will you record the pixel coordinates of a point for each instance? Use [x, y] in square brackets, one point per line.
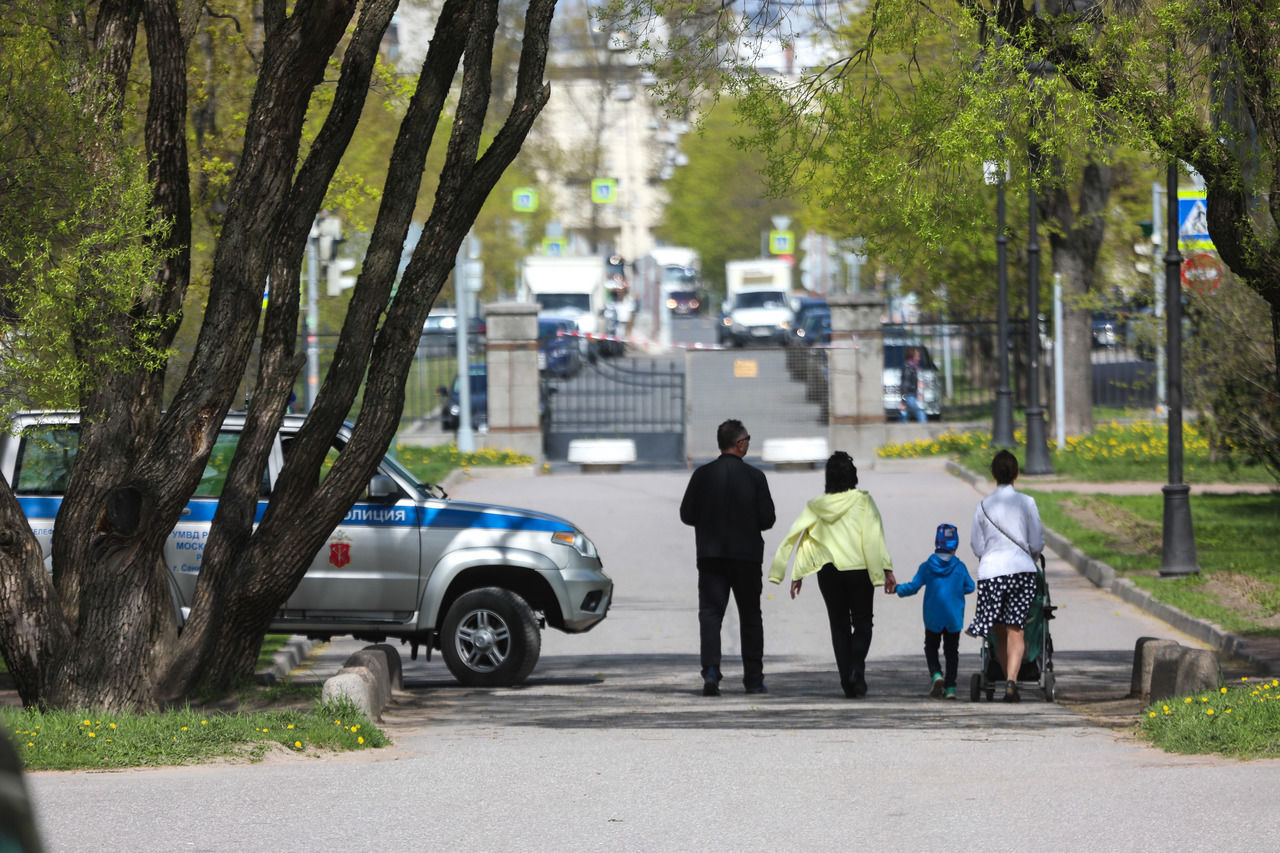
[909, 385]
[1007, 537]
[839, 536]
[946, 582]
[727, 502]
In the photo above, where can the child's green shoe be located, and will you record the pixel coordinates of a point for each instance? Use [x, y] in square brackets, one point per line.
[950, 693]
[935, 686]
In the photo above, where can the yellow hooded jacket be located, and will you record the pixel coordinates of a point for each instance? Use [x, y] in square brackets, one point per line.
[844, 529]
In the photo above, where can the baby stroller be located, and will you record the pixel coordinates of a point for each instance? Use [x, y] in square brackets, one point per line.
[1037, 658]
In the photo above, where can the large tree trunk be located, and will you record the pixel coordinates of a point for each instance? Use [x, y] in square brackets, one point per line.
[101, 632]
[1075, 243]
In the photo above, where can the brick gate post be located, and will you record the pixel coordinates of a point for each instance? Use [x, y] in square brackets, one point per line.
[512, 347]
[856, 376]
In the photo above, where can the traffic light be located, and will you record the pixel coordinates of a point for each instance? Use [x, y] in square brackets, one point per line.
[334, 270]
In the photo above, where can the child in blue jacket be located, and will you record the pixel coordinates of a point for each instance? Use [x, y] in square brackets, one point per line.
[946, 581]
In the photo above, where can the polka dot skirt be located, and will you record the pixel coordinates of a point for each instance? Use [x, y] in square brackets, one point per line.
[1003, 600]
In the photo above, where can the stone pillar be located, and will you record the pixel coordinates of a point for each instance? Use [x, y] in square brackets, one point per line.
[512, 347]
[856, 376]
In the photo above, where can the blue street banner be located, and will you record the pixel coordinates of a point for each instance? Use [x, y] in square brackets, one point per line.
[604, 190]
[1193, 221]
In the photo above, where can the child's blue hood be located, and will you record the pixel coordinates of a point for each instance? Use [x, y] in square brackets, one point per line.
[941, 565]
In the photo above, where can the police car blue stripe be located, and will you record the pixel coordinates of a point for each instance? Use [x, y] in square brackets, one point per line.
[363, 515]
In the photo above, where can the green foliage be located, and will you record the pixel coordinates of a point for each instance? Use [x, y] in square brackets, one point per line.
[1230, 370]
[719, 203]
[80, 740]
[431, 464]
[1239, 720]
[77, 235]
[1113, 452]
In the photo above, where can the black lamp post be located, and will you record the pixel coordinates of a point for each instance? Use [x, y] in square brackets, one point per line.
[1037, 456]
[1002, 428]
[1178, 555]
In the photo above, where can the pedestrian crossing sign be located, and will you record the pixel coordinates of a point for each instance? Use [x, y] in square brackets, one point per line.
[782, 242]
[524, 199]
[554, 247]
[1193, 221]
[604, 190]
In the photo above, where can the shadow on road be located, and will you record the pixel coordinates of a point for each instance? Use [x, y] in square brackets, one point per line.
[632, 691]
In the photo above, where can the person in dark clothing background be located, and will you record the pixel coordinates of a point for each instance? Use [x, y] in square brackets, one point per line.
[727, 502]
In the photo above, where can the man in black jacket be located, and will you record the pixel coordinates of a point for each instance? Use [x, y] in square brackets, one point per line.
[728, 503]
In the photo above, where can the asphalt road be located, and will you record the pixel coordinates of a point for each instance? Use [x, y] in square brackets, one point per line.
[609, 746]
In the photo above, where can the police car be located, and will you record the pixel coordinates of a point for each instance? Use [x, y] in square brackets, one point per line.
[475, 581]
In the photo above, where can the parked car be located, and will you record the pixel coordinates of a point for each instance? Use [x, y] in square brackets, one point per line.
[815, 328]
[895, 350]
[1106, 330]
[558, 353]
[684, 302]
[475, 581]
[451, 406]
[440, 332]
[802, 307]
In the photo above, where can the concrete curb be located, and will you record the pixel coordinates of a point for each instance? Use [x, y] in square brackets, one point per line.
[287, 657]
[1103, 576]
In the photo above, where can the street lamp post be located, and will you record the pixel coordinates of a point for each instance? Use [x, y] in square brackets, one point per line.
[1002, 427]
[1178, 554]
[1037, 461]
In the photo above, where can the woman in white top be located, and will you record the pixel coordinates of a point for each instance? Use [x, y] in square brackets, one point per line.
[1007, 538]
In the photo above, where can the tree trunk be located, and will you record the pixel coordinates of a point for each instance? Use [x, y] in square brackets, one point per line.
[1075, 240]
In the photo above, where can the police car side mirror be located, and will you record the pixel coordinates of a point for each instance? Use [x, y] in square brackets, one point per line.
[382, 486]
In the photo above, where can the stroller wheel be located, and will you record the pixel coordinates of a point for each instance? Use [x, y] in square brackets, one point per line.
[1049, 686]
[975, 687]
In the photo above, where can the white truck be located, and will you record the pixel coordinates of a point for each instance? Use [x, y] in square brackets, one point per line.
[757, 306]
[578, 288]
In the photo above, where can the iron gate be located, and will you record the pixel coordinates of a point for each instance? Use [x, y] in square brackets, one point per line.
[633, 397]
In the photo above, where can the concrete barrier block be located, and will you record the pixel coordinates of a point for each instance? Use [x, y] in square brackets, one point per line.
[1164, 672]
[795, 453]
[1198, 671]
[355, 684]
[1144, 658]
[602, 455]
[376, 664]
[394, 666]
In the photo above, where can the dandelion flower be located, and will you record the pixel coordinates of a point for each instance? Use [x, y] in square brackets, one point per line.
[291, 725]
[1187, 700]
[1222, 690]
[86, 722]
[93, 734]
[204, 722]
[1210, 711]
[184, 728]
[1152, 715]
[111, 725]
[297, 744]
[360, 740]
[1228, 711]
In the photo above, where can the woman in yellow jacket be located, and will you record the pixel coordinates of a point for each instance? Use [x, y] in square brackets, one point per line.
[840, 537]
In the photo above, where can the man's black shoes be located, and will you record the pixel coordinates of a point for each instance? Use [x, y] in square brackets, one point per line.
[757, 688]
[710, 688]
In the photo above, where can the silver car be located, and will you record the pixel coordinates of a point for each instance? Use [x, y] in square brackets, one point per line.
[895, 353]
[472, 580]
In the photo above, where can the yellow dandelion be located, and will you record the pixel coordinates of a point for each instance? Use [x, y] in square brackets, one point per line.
[360, 740]
[204, 722]
[297, 744]
[291, 725]
[93, 734]
[1152, 715]
[86, 722]
[1166, 709]
[30, 743]
[1222, 690]
[1204, 698]
[111, 725]
[1187, 700]
[1228, 711]
[1210, 711]
[184, 728]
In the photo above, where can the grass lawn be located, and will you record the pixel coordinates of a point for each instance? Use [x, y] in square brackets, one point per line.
[433, 464]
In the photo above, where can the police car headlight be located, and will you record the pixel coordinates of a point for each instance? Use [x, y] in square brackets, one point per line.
[577, 542]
